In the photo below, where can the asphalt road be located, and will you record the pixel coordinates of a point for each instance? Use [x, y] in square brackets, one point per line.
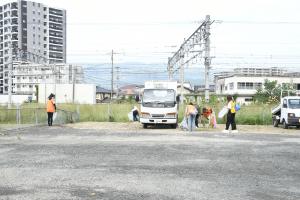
[64, 163]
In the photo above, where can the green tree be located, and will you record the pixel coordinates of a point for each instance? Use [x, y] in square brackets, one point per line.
[269, 93]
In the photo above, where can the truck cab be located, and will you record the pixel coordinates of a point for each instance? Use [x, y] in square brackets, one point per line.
[287, 112]
[159, 105]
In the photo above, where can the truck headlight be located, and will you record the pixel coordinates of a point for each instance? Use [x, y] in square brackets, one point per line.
[291, 115]
[145, 115]
[171, 115]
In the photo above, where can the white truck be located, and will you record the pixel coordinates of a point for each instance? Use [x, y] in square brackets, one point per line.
[159, 103]
[287, 112]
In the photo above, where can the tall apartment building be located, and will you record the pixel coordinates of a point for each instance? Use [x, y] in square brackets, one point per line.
[34, 28]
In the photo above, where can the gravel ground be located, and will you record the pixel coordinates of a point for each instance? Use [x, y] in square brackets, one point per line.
[123, 161]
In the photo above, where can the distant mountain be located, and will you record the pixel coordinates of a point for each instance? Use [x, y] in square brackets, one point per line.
[135, 73]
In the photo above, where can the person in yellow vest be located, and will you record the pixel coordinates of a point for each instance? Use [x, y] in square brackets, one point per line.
[230, 115]
[51, 108]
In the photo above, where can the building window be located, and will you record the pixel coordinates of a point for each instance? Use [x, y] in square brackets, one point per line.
[249, 86]
[231, 86]
[241, 85]
[248, 99]
[257, 86]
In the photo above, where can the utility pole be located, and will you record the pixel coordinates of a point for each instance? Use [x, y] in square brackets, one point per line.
[117, 81]
[10, 76]
[207, 58]
[181, 78]
[73, 82]
[112, 75]
[170, 69]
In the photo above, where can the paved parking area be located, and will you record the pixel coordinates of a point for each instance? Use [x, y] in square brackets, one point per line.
[83, 163]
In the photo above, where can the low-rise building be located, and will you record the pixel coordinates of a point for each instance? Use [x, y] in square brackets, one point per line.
[244, 82]
[26, 76]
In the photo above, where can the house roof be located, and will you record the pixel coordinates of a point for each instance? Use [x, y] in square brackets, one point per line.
[102, 90]
[132, 86]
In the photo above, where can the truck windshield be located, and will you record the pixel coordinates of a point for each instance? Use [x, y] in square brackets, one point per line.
[294, 103]
[159, 98]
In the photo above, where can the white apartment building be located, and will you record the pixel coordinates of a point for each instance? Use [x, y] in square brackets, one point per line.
[26, 76]
[34, 29]
[244, 82]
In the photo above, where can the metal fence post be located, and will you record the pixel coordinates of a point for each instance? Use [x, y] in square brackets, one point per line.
[19, 111]
[78, 112]
[18, 114]
[36, 117]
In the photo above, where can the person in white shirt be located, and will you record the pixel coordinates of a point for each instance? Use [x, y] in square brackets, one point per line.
[135, 113]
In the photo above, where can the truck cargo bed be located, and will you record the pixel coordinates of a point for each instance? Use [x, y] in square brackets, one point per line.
[276, 110]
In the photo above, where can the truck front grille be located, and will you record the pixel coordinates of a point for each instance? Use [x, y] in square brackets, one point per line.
[158, 115]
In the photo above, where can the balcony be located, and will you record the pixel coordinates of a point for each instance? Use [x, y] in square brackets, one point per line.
[55, 41]
[55, 34]
[55, 48]
[53, 11]
[55, 19]
[14, 13]
[56, 26]
[14, 5]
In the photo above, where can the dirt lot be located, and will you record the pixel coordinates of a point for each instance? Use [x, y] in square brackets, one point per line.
[135, 126]
[123, 161]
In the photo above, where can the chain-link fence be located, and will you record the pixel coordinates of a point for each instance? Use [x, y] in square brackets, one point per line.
[35, 116]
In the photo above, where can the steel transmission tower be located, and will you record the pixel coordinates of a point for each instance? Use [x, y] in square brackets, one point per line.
[191, 49]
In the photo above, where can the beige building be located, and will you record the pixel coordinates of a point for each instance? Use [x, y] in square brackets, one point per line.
[244, 82]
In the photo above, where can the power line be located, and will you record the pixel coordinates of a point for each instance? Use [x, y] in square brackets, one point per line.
[260, 22]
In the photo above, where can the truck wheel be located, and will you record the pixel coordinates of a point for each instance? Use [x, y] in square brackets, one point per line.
[144, 125]
[275, 122]
[285, 125]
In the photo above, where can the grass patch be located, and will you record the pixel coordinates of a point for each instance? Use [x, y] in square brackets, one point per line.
[255, 114]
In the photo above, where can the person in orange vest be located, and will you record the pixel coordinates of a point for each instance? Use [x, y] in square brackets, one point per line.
[51, 108]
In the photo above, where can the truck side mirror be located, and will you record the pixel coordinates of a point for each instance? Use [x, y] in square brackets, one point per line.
[284, 105]
[177, 98]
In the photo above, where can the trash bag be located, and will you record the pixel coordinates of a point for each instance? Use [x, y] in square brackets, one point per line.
[183, 125]
[130, 116]
[223, 112]
[54, 116]
[237, 107]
